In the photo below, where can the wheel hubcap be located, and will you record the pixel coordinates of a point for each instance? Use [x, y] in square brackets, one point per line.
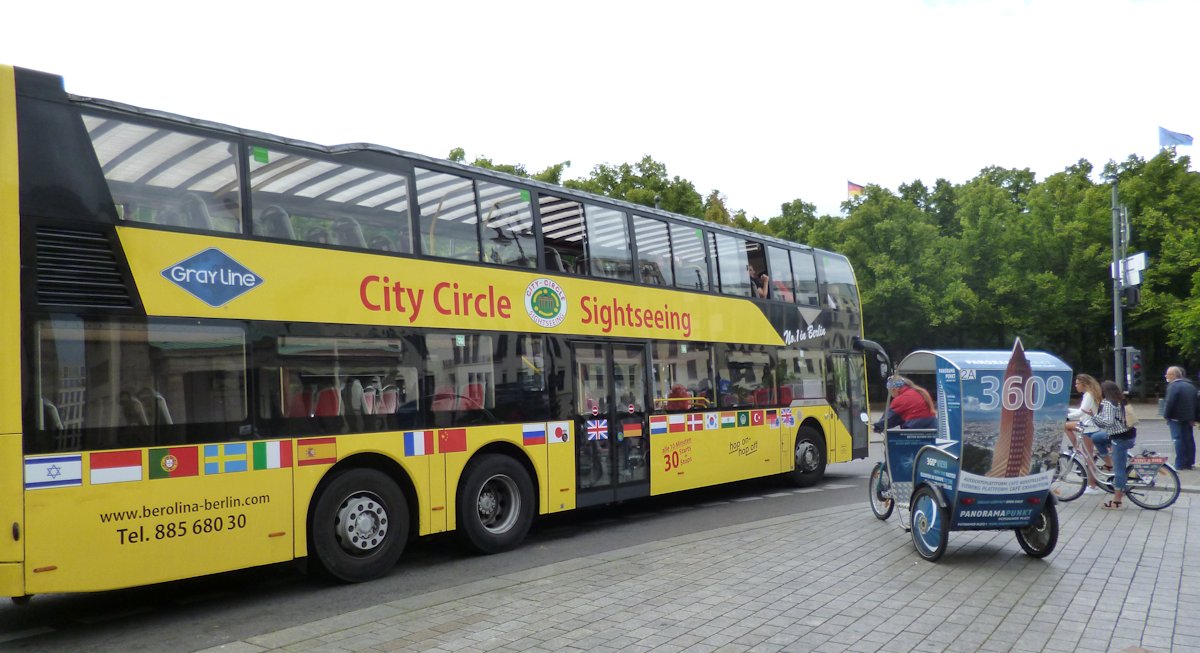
[362, 523]
[806, 456]
[880, 485]
[925, 524]
[498, 504]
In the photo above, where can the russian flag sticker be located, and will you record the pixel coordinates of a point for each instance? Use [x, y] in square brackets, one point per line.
[533, 434]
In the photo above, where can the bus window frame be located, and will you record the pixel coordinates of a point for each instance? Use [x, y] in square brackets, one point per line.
[347, 159]
[32, 413]
[239, 164]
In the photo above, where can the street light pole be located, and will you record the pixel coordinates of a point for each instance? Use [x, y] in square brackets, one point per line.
[1118, 328]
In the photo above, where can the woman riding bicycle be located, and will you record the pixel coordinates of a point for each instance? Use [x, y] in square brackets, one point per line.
[1089, 389]
[1117, 434]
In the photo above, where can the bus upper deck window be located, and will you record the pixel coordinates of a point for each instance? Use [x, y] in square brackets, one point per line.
[168, 177]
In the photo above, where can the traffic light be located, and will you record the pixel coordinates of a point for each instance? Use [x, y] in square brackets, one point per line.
[1132, 295]
[1133, 370]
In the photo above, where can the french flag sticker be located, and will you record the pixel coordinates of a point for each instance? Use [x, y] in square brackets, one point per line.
[418, 443]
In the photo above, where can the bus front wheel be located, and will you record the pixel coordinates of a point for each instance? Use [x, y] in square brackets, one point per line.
[359, 525]
[810, 457]
[495, 504]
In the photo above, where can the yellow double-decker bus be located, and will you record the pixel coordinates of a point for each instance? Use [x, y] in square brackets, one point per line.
[224, 348]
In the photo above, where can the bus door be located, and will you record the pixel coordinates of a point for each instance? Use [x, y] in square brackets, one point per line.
[848, 397]
[612, 437]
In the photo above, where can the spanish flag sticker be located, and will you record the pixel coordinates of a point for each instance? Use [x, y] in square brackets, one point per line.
[316, 451]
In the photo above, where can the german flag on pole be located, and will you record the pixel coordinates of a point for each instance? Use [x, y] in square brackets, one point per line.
[853, 189]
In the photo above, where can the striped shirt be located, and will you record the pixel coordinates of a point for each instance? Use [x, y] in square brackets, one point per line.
[1111, 418]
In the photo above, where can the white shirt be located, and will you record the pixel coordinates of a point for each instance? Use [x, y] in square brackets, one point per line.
[1087, 407]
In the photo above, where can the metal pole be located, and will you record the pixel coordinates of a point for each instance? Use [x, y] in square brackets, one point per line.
[1118, 329]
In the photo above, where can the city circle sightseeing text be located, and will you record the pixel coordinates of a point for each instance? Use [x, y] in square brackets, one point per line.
[475, 302]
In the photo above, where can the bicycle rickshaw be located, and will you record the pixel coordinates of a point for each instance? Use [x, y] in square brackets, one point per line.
[989, 463]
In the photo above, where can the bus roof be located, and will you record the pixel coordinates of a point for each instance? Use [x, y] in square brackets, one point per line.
[390, 151]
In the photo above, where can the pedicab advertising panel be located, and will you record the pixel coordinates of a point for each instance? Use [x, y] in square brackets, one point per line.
[990, 461]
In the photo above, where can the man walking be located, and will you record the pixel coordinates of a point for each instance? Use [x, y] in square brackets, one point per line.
[1180, 413]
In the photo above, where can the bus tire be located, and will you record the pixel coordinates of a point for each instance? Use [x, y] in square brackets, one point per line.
[810, 457]
[359, 525]
[495, 504]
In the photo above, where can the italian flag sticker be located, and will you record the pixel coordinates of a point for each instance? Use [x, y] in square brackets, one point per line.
[272, 455]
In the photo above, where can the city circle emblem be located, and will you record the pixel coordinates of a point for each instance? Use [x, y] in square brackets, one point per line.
[169, 463]
[546, 303]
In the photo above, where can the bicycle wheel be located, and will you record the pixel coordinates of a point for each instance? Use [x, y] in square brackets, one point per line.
[1070, 479]
[1156, 492]
[879, 483]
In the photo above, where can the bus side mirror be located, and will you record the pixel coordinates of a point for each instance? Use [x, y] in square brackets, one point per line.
[885, 363]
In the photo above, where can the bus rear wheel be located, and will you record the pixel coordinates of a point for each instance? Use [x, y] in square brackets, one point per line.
[495, 504]
[810, 457]
[359, 525]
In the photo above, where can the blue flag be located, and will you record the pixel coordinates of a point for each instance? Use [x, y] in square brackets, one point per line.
[1167, 137]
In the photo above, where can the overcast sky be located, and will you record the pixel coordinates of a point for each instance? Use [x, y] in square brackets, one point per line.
[766, 101]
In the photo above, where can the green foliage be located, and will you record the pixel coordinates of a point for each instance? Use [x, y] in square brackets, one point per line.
[645, 183]
[551, 175]
[1004, 256]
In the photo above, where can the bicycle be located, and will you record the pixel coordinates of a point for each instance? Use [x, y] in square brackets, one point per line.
[1153, 483]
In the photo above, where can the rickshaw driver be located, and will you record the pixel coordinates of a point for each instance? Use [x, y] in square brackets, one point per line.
[910, 407]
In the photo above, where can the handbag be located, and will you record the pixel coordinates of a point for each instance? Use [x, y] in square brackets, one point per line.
[1131, 418]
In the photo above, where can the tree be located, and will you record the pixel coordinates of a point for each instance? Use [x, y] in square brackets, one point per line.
[645, 183]
[551, 174]
[795, 221]
[909, 280]
[715, 209]
[1163, 197]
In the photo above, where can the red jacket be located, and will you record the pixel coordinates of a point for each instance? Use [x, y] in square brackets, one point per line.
[910, 405]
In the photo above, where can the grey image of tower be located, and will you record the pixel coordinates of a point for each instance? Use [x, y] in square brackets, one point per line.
[1013, 455]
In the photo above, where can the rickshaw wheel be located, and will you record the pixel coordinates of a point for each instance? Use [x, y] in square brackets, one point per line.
[930, 524]
[879, 483]
[1039, 538]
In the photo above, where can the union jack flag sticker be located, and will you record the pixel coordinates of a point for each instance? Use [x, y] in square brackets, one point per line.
[597, 429]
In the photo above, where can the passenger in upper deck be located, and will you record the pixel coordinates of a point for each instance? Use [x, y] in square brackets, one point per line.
[911, 406]
[759, 283]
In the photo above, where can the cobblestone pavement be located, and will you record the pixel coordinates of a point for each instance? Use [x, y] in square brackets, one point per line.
[829, 580]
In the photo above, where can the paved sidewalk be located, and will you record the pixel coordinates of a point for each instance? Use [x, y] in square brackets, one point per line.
[829, 580]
